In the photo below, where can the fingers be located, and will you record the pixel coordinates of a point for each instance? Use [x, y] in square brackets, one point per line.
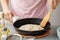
[9, 17]
[54, 3]
[59, 0]
[8, 14]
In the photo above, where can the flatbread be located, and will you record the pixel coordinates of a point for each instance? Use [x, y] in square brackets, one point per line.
[31, 27]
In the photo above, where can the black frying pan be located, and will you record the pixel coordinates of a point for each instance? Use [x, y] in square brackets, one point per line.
[37, 21]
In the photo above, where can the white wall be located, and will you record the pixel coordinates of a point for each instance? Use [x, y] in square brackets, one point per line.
[55, 18]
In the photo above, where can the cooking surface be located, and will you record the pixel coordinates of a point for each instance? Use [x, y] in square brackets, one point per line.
[51, 36]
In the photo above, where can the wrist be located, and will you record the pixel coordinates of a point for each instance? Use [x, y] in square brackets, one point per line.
[6, 10]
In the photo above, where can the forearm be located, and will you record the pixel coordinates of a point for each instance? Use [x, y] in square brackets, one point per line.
[4, 4]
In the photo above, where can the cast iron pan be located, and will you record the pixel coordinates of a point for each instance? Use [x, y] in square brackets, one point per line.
[37, 21]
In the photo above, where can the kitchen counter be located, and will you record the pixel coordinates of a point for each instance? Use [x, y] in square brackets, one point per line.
[51, 36]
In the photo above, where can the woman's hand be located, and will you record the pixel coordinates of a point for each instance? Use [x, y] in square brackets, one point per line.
[5, 7]
[53, 3]
[8, 15]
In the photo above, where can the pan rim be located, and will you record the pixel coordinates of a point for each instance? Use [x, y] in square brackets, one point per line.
[43, 31]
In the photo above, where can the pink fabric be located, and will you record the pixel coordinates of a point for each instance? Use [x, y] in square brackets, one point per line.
[29, 8]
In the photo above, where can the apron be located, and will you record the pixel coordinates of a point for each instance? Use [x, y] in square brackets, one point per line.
[29, 8]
